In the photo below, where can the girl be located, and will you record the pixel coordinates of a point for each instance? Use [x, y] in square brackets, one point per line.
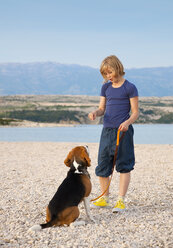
[118, 98]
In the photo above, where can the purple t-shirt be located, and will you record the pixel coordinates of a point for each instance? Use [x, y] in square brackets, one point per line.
[117, 103]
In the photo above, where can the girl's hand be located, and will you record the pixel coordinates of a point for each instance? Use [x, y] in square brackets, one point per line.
[124, 126]
[92, 116]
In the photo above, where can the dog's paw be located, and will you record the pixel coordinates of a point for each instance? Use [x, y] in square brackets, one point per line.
[92, 219]
[35, 228]
[77, 223]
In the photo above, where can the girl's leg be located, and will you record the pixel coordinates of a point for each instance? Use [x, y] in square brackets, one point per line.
[104, 200]
[123, 187]
[124, 184]
[104, 181]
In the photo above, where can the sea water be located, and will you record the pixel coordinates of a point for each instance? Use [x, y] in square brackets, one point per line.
[144, 134]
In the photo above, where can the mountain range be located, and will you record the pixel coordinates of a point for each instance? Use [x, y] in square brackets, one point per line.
[50, 78]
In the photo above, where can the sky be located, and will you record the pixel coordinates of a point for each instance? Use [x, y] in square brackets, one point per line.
[139, 32]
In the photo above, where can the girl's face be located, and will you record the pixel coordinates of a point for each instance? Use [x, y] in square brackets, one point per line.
[110, 74]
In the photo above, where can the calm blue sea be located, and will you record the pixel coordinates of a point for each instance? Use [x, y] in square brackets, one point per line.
[144, 134]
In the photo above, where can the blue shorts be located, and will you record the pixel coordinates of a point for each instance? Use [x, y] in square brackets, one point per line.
[125, 158]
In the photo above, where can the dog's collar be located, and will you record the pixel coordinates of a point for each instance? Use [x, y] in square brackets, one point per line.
[80, 169]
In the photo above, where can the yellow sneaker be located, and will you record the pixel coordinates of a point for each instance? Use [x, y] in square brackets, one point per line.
[119, 206]
[101, 202]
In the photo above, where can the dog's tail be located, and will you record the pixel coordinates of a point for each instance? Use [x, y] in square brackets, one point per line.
[43, 226]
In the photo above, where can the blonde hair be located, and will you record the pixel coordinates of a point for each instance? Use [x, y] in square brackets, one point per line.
[114, 63]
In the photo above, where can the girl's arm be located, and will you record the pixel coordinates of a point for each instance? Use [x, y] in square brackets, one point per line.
[100, 111]
[134, 115]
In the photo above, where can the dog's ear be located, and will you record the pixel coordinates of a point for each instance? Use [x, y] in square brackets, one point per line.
[86, 157]
[69, 159]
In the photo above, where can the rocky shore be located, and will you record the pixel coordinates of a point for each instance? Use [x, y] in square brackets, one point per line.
[31, 173]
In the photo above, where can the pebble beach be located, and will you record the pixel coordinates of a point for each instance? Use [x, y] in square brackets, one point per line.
[31, 173]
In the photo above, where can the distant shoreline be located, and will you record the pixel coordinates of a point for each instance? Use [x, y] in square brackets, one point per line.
[38, 124]
[69, 110]
[44, 125]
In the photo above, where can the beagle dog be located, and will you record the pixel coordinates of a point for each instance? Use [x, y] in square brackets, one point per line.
[76, 187]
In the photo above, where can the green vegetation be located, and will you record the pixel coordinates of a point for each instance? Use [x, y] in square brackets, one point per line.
[147, 112]
[5, 122]
[165, 119]
[44, 116]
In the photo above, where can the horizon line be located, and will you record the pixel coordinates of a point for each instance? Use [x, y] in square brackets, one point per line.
[75, 64]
